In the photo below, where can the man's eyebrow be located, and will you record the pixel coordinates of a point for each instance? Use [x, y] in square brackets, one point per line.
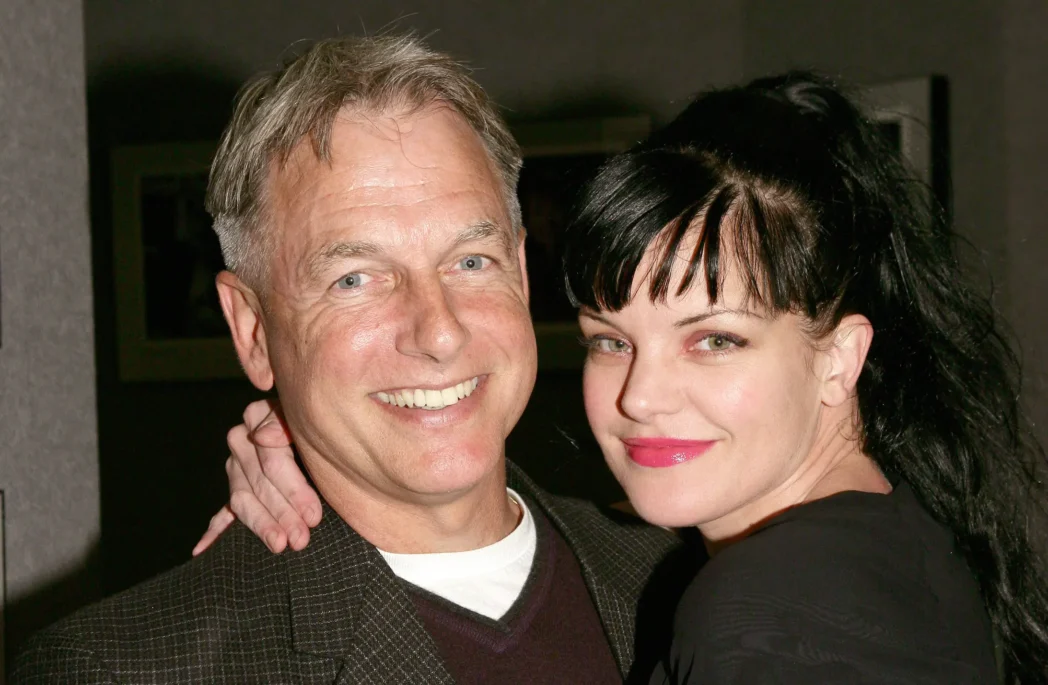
[339, 251]
[482, 231]
[688, 320]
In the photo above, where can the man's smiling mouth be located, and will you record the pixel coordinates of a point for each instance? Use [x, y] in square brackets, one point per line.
[418, 398]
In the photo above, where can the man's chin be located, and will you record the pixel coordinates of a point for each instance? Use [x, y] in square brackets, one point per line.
[459, 471]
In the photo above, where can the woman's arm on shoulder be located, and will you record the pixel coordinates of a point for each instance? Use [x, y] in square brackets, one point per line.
[267, 490]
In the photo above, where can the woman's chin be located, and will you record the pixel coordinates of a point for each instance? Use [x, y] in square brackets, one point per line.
[663, 511]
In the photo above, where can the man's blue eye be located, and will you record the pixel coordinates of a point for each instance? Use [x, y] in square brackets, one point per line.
[472, 263]
[351, 281]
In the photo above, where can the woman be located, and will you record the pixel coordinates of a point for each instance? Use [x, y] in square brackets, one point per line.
[782, 353]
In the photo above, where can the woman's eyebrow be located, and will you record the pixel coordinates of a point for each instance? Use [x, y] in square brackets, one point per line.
[590, 314]
[697, 318]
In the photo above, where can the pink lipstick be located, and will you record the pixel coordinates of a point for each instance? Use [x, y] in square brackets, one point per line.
[664, 452]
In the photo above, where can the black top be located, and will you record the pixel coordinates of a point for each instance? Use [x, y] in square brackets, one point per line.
[853, 588]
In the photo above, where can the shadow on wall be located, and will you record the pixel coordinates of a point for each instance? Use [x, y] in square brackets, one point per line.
[48, 602]
[162, 444]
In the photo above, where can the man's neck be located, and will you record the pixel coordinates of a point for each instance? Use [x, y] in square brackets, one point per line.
[421, 524]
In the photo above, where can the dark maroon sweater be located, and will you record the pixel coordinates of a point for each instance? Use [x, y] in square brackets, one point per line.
[551, 634]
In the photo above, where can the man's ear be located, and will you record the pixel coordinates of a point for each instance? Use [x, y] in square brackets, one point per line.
[522, 259]
[243, 313]
[847, 349]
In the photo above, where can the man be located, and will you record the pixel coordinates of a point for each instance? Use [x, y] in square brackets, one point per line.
[365, 200]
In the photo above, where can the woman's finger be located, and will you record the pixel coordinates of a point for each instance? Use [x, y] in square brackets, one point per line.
[219, 522]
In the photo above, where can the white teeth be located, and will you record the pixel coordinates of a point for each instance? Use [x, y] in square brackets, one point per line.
[449, 396]
[430, 399]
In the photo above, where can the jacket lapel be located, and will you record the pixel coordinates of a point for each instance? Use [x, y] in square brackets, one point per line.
[347, 605]
[614, 593]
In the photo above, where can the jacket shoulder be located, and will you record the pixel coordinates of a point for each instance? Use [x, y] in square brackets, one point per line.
[182, 612]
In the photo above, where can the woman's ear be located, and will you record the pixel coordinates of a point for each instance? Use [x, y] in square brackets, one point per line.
[846, 352]
[243, 313]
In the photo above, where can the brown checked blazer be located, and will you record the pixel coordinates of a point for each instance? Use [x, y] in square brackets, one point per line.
[333, 613]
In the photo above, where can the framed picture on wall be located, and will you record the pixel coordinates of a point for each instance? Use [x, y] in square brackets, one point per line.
[913, 115]
[170, 325]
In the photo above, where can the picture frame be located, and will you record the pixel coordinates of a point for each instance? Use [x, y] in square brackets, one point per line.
[165, 255]
[914, 116]
[157, 203]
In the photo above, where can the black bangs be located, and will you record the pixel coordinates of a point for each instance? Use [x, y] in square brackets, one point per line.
[647, 198]
[620, 213]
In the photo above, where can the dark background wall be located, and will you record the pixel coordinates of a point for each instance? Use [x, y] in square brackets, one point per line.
[167, 70]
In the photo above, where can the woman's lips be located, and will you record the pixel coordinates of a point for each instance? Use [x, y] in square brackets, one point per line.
[664, 452]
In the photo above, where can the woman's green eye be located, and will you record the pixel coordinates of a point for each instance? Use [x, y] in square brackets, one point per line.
[612, 345]
[719, 342]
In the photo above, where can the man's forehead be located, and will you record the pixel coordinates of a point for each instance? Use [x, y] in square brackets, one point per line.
[430, 151]
[362, 134]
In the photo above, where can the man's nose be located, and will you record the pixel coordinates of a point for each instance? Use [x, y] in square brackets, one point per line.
[433, 329]
[650, 390]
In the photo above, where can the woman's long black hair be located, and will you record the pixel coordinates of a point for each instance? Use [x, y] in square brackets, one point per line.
[825, 221]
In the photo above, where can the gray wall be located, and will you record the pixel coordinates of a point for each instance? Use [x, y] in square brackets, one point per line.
[1026, 208]
[48, 444]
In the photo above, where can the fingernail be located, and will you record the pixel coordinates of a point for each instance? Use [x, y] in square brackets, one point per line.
[314, 514]
[271, 541]
[295, 536]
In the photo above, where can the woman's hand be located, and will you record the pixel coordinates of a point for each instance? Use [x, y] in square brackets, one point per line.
[267, 490]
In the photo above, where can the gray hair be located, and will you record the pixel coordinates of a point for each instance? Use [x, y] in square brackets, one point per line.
[276, 110]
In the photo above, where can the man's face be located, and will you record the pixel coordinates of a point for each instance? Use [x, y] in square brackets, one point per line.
[396, 323]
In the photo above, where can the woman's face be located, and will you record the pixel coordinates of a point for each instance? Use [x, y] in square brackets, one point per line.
[706, 413]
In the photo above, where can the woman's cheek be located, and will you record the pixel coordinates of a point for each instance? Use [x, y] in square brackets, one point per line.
[599, 395]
